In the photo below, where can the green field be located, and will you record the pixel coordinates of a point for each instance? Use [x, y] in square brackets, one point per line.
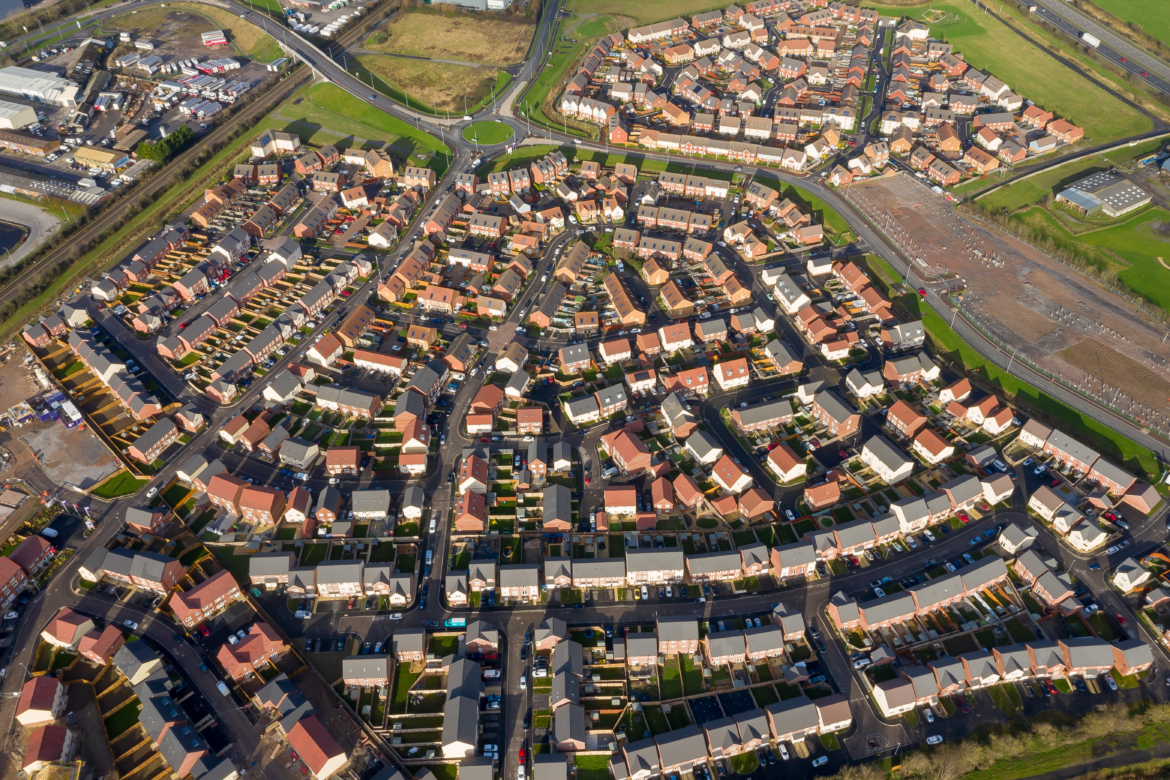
[324, 113]
[993, 48]
[1149, 15]
[487, 132]
[646, 11]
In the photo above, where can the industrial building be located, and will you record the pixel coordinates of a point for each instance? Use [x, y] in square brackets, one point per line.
[14, 116]
[1105, 193]
[38, 85]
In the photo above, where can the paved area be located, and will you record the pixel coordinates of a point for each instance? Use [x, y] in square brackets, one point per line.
[41, 224]
[71, 456]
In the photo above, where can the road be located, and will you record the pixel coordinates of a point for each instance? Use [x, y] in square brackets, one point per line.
[1113, 47]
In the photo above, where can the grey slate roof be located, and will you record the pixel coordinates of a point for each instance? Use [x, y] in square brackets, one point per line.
[681, 746]
[654, 559]
[682, 629]
[358, 667]
[892, 607]
[793, 715]
[723, 643]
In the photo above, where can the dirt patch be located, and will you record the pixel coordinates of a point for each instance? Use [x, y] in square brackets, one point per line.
[1106, 364]
[1051, 316]
[17, 385]
[71, 456]
[1025, 323]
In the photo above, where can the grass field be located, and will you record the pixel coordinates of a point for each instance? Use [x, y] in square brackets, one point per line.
[462, 38]
[432, 87]
[487, 132]
[1112, 445]
[646, 11]
[1150, 15]
[327, 107]
[993, 48]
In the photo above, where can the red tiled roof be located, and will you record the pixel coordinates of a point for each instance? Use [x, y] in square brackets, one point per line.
[37, 695]
[29, 552]
[45, 744]
[343, 456]
[932, 442]
[63, 627]
[313, 742]
[785, 458]
[261, 499]
[755, 502]
[203, 595]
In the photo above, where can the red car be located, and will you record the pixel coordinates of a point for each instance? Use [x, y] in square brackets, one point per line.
[853, 143]
[1145, 75]
[586, 480]
[204, 631]
[1051, 687]
[483, 440]
[964, 518]
[1120, 617]
[1123, 59]
[922, 291]
[1054, 483]
[521, 755]
[962, 704]
[345, 293]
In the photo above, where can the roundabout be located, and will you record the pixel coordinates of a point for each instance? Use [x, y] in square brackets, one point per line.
[487, 133]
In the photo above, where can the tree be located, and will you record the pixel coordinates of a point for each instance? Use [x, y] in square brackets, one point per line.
[166, 149]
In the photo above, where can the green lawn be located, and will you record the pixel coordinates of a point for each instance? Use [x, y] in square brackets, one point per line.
[643, 12]
[1112, 445]
[487, 132]
[122, 720]
[119, 485]
[328, 107]
[403, 680]
[992, 47]
[670, 679]
[745, 763]
[655, 720]
[1030, 191]
[692, 676]
[592, 767]
[565, 54]
[1000, 698]
[764, 695]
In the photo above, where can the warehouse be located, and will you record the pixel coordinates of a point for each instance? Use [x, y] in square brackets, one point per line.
[105, 159]
[38, 85]
[14, 115]
[1105, 193]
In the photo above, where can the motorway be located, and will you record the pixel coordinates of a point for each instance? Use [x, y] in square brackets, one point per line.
[1113, 48]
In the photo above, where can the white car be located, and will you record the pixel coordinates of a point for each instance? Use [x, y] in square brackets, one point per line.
[645, 592]
[820, 761]
[934, 739]
[1112, 550]
[669, 592]
[475, 371]
[523, 682]
[396, 616]
[130, 624]
[783, 751]
[540, 672]
[150, 493]
[791, 517]
[232, 639]
[928, 535]
[493, 327]
[491, 674]
[926, 713]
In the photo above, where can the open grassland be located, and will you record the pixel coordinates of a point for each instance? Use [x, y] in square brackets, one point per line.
[181, 20]
[992, 47]
[431, 86]
[323, 111]
[461, 38]
[645, 11]
[487, 132]
[1150, 16]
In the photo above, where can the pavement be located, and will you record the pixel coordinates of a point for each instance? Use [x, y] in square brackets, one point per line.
[41, 224]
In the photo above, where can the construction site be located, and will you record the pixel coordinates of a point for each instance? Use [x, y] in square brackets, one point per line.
[1050, 315]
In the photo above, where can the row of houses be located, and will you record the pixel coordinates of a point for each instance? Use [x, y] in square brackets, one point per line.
[344, 579]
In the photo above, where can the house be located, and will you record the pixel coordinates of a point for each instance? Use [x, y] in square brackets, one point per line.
[786, 464]
[66, 629]
[310, 739]
[729, 476]
[259, 648]
[42, 700]
[931, 447]
[1129, 575]
[885, 460]
[209, 598]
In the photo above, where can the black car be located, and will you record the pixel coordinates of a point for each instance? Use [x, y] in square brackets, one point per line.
[524, 652]
[528, 719]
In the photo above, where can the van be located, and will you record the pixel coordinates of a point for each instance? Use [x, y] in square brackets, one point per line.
[223, 689]
[609, 472]
[999, 465]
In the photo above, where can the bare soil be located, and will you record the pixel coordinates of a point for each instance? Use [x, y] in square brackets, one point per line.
[71, 456]
[1053, 316]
